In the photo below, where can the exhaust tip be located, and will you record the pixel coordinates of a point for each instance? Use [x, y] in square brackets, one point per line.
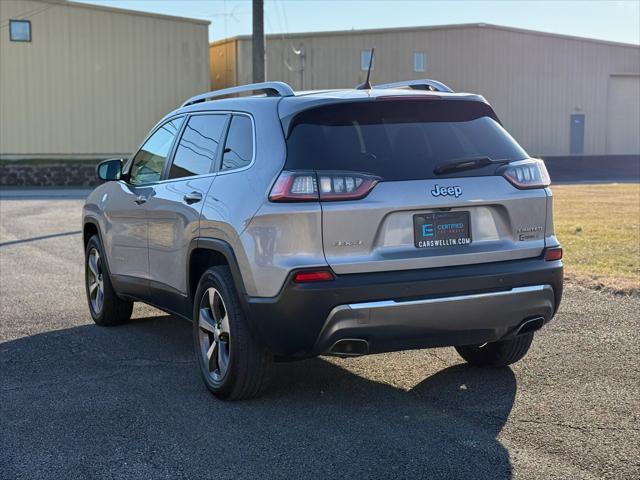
[530, 325]
[349, 347]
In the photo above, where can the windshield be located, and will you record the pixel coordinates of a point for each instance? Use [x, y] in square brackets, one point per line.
[399, 139]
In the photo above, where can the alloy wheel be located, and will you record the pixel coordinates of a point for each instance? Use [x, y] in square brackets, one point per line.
[214, 334]
[95, 281]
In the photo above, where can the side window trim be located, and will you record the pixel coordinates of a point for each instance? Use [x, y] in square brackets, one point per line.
[223, 138]
[169, 160]
[224, 145]
[129, 164]
[218, 163]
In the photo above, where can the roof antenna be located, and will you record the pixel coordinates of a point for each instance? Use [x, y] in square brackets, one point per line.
[367, 84]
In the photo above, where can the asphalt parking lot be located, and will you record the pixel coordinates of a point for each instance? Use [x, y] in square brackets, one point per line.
[81, 401]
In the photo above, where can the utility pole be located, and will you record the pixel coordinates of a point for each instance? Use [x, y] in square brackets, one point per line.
[258, 42]
[303, 57]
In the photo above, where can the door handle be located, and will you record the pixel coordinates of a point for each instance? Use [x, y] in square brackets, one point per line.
[140, 199]
[192, 197]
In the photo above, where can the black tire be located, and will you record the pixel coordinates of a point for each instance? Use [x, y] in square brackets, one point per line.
[497, 354]
[112, 310]
[247, 364]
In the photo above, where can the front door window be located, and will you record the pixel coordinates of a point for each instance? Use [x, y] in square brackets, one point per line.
[149, 161]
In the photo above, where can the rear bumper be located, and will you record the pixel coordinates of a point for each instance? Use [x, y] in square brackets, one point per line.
[408, 309]
[459, 319]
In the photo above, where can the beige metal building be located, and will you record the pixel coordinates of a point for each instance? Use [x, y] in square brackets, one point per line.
[80, 80]
[556, 94]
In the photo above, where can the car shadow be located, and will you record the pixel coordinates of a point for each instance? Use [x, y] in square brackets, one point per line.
[38, 238]
[128, 402]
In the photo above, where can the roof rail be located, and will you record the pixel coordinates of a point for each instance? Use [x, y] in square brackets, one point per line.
[272, 89]
[424, 84]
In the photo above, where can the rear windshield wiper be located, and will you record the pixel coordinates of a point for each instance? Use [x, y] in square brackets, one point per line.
[465, 164]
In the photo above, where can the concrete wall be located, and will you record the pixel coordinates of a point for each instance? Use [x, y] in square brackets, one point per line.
[535, 81]
[65, 174]
[93, 80]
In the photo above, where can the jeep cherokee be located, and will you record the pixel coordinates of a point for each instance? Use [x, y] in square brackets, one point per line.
[287, 225]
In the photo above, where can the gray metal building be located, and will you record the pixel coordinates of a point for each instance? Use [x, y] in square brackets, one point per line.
[556, 94]
[85, 81]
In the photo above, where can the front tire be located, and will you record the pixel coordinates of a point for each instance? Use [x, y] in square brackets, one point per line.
[497, 354]
[232, 363]
[106, 308]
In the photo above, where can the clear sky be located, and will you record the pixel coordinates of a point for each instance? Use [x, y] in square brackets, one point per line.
[608, 20]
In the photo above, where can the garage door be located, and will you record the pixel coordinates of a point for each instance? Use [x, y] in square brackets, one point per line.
[623, 114]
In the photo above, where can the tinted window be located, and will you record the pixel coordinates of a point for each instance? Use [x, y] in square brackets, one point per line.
[398, 140]
[198, 147]
[238, 149]
[149, 161]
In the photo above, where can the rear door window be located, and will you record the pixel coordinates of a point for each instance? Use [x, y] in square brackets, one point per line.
[238, 149]
[398, 139]
[199, 146]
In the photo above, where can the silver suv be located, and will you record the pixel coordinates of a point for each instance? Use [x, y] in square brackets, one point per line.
[290, 224]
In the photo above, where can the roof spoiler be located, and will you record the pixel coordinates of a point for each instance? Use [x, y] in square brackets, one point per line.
[424, 84]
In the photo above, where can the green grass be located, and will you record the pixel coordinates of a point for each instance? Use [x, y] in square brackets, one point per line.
[599, 229]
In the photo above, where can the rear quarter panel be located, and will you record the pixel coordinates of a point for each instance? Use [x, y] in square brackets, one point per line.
[236, 196]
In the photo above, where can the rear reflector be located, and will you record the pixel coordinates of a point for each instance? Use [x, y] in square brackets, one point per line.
[551, 254]
[313, 276]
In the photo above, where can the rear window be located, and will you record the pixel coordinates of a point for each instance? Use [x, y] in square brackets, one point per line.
[398, 139]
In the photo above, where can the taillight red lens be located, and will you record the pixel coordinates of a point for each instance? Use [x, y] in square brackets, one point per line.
[324, 186]
[295, 187]
[313, 276]
[551, 254]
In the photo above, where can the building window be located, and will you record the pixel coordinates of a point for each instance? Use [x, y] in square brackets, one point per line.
[20, 30]
[419, 62]
[365, 57]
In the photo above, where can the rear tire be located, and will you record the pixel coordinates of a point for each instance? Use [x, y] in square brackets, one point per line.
[233, 364]
[106, 308]
[497, 354]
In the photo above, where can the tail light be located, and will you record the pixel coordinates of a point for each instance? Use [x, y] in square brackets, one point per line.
[554, 253]
[324, 186]
[530, 173]
[295, 187]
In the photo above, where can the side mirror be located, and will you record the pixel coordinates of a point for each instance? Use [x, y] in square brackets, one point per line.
[109, 170]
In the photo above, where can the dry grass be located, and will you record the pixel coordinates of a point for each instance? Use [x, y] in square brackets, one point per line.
[599, 228]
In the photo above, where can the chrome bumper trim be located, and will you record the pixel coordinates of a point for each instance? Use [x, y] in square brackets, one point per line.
[426, 301]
